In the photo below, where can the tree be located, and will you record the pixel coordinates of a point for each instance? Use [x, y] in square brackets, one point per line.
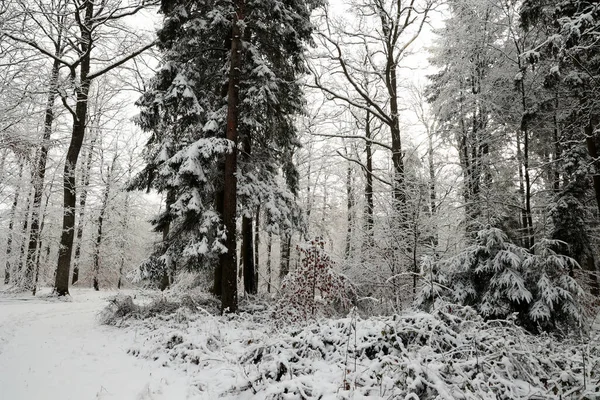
[232, 84]
[87, 38]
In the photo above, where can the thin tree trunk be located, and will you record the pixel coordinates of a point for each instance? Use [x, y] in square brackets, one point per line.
[125, 227]
[349, 210]
[432, 188]
[269, 253]
[40, 173]
[369, 207]
[256, 247]
[85, 183]
[100, 224]
[11, 225]
[26, 277]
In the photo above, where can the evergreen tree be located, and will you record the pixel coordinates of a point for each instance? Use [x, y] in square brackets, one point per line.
[186, 112]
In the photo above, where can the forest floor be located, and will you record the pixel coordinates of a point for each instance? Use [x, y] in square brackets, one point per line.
[179, 348]
[57, 350]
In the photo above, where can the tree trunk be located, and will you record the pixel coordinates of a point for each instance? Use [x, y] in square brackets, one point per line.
[229, 301]
[78, 132]
[11, 225]
[590, 140]
[284, 253]
[40, 172]
[85, 183]
[101, 217]
[248, 255]
[349, 211]
[269, 254]
[248, 265]
[369, 207]
[256, 247]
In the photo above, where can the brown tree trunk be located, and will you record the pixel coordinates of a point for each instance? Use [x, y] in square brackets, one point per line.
[248, 265]
[248, 255]
[229, 300]
[61, 285]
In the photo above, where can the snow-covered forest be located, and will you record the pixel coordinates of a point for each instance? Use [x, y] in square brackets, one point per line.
[394, 199]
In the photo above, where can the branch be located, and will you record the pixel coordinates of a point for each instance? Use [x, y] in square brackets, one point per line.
[385, 146]
[38, 48]
[63, 99]
[121, 61]
[364, 168]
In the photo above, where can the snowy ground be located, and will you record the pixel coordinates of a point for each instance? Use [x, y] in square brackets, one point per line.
[55, 350]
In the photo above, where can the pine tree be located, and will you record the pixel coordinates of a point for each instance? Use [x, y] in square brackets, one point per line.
[186, 113]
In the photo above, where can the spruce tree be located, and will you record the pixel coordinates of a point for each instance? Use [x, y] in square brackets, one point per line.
[185, 110]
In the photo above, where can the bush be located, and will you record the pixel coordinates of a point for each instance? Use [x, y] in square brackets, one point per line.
[314, 289]
[498, 279]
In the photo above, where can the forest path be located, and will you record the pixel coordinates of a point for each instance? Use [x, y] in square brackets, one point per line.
[55, 350]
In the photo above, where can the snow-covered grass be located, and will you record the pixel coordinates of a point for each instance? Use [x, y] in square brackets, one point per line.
[451, 353]
[57, 350]
[177, 348]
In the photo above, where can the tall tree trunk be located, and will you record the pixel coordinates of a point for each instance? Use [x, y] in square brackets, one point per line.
[432, 188]
[248, 265]
[369, 206]
[248, 255]
[77, 134]
[11, 227]
[38, 254]
[26, 277]
[123, 242]
[529, 239]
[349, 210]
[269, 258]
[229, 300]
[557, 146]
[256, 247]
[40, 172]
[284, 254]
[85, 183]
[100, 225]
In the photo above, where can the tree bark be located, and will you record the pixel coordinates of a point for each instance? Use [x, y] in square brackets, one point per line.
[256, 247]
[248, 265]
[77, 134]
[284, 253]
[229, 300]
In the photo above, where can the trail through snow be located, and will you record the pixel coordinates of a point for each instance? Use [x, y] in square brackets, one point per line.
[56, 350]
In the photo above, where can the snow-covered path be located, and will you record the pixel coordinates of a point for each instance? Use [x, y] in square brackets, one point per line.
[55, 350]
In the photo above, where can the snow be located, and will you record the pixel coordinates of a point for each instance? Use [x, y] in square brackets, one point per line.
[53, 350]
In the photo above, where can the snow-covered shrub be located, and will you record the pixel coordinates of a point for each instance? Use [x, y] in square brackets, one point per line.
[314, 289]
[118, 308]
[498, 279]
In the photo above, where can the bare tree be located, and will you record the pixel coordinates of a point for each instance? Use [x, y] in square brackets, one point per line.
[93, 27]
